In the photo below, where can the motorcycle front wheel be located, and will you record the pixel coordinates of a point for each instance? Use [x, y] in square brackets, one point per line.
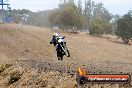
[66, 50]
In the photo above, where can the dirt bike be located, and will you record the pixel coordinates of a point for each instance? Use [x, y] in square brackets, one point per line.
[62, 49]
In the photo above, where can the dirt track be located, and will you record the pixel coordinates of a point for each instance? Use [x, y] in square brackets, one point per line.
[28, 47]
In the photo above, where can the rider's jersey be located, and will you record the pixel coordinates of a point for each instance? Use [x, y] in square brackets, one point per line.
[55, 40]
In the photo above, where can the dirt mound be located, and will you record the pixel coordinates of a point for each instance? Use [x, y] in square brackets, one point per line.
[27, 48]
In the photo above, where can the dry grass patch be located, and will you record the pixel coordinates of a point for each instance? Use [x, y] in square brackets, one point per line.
[14, 77]
[3, 67]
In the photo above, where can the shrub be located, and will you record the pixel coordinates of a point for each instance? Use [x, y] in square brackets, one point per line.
[95, 30]
[2, 68]
[14, 77]
[124, 30]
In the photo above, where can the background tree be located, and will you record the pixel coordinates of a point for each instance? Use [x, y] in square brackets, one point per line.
[124, 30]
[114, 23]
[20, 16]
[100, 22]
[88, 13]
[55, 18]
[39, 18]
[28, 17]
[79, 6]
[66, 16]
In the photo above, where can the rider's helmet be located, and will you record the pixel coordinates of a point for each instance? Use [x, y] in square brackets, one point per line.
[55, 35]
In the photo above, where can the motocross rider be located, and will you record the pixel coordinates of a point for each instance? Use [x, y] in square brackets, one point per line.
[54, 41]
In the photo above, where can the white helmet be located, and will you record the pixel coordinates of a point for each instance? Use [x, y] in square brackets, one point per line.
[55, 35]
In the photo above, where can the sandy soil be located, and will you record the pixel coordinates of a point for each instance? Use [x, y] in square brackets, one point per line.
[27, 48]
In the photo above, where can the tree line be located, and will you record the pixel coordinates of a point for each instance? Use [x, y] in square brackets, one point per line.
[93, 17]
[87, 15]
